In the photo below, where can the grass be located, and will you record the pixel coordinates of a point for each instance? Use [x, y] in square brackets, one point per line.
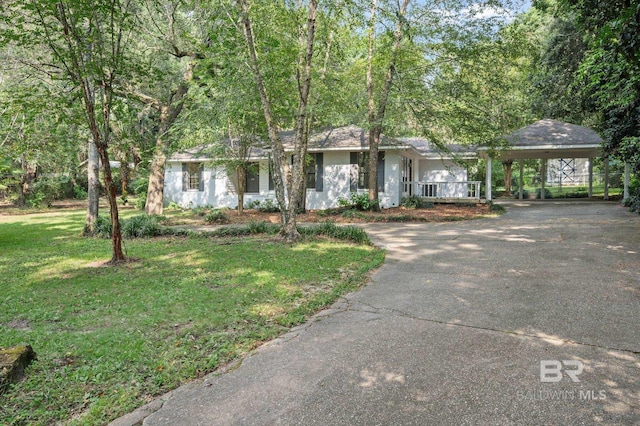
[109, 339]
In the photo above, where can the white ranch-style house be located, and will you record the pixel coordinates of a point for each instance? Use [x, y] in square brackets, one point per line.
[407, 166]
[337, 168]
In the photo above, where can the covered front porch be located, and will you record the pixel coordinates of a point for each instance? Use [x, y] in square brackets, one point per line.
[437, 174]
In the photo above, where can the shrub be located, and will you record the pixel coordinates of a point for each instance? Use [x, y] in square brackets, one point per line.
[79, 193]
[199, 211]
[141, 200]
[216, 216]
[255, 204]
[359, 201]
[496, 208]
[547, 193]
[353, 214]
[45, 190]
[334, 211]
[576, 194]
[141, 226]
[415, 202]
[173, 206]
[140, 186]
[329, 229]
[268, 206]
[103, 227]
[516, 194]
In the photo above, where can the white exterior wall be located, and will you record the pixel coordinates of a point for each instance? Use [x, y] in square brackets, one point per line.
[444, 171]
[441, 171]
[337, 181]
[219, 191]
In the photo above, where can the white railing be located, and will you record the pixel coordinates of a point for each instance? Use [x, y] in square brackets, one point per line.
[463, 190]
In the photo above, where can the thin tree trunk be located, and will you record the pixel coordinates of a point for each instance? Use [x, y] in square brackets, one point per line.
[376, 117]
[241, 176]
[508, 173]
[281, 170]
[116, 231]
[93, 190]
[125, 173]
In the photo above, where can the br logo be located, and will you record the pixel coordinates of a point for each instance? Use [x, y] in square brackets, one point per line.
[551, 370]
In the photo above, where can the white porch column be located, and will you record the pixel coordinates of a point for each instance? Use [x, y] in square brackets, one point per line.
[488, 180]
[627, 177]
[543, 173]
[590, 177]
[521, 180]
[606, 178]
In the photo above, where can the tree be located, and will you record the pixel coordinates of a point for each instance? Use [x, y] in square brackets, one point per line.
[85, 40]
[377, 110]
[604, 80]
[288, 181]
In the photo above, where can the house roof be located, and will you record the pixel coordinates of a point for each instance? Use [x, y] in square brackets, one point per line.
[430, 150]
[347, 138]
[550, 139]
[205, 153]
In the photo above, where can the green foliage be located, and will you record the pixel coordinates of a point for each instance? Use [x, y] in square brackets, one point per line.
[141, 226]
[140, 186]
[103, 227]
[359, 201]
[218, 216]
[333, 211]
[199, 211]
[329, 229]
[353, 214]
[44, 191]
[496, 208]
[415, 202]
[547, 193]
[141, 200]
[266, 206]
[173, 206]
[516, 193]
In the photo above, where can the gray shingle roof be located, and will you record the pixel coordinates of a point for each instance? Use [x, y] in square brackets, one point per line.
[552, 132]
[425, 147]
[340, 138]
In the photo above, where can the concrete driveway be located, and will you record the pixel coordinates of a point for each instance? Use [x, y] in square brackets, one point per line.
[529, 318]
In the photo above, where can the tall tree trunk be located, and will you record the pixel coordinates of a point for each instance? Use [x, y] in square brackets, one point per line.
[168, 115]
[93, 190]
[155, 190]
[376, 116]
[286, 183]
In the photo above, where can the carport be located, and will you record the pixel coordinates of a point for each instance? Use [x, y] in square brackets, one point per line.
[547, 139]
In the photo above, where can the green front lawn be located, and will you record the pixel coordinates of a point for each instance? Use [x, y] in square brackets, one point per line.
[109, 339]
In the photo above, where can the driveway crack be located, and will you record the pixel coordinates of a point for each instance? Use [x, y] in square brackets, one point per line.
[354, 306]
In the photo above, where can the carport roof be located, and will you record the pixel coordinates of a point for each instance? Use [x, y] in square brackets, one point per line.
[550, 139]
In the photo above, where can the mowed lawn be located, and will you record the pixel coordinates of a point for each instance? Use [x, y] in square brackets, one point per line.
[109, 339]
